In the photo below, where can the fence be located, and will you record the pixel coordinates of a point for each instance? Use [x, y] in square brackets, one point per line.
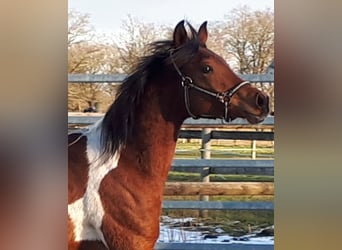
[207, 166]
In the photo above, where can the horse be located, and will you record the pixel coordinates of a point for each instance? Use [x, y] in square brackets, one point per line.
[118, 167]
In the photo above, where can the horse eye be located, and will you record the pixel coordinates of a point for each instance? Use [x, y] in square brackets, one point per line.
[206, 69]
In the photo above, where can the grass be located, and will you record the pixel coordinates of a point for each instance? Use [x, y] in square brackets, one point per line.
[235, 223]
[224, 150]
[196, 177]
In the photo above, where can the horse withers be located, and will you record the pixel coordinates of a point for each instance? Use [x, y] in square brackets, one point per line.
[118, 167]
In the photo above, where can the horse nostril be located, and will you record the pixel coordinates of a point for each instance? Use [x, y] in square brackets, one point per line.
[261, 100]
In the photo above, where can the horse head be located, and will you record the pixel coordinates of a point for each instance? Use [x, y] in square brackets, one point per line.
[211, 88]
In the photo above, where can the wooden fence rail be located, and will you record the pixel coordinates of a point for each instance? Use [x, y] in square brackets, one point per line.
[219, 188]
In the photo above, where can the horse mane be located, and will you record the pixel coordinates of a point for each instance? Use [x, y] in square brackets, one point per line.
[118, 122]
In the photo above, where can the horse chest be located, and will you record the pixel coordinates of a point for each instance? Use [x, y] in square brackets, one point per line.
[86, 213]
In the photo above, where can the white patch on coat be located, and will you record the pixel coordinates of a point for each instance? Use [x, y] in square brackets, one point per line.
[87, 212]
[82, 230]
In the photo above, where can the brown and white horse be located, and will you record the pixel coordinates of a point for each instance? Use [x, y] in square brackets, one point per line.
[118, 168]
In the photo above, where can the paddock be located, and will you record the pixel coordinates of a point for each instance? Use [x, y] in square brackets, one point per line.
[205, 130]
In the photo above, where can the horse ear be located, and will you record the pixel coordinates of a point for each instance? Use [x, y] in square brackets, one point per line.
[179, 35]
[203, 33]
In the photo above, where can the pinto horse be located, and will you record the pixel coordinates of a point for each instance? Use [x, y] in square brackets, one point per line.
[118, 167]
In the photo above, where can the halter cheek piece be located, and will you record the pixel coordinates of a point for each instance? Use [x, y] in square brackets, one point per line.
[223, 97]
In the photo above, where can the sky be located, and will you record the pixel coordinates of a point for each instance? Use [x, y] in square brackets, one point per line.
[107, 15]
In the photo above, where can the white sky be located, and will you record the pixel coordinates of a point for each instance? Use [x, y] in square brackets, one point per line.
[107, 15]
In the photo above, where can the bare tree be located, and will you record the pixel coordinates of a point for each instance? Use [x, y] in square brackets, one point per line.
[245, 39]
[86, 54]
[217, 39]
[91, 59]
[79, 28]
[134, 38]
[89, 53]
[250, 38]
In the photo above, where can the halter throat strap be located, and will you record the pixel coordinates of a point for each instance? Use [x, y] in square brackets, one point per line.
[223, 97]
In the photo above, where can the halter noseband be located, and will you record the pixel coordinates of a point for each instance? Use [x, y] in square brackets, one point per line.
[223, 97]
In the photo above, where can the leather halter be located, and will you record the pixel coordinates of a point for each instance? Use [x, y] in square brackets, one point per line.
[223, 97]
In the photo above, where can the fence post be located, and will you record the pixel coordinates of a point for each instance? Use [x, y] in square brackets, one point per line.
[254, 146]
[205, 154]
[253, 149]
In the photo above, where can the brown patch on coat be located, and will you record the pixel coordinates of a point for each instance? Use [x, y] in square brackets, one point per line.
[78, 167]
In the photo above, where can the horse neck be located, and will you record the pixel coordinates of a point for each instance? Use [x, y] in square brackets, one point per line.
[156, 130]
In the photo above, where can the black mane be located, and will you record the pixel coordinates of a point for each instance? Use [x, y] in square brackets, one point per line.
[118, 122]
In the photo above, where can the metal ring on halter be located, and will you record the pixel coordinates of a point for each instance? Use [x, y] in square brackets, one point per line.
[186, 81]
[223, 97]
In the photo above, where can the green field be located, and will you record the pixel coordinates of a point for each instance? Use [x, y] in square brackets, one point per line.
[224, 150]
[194, 177]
